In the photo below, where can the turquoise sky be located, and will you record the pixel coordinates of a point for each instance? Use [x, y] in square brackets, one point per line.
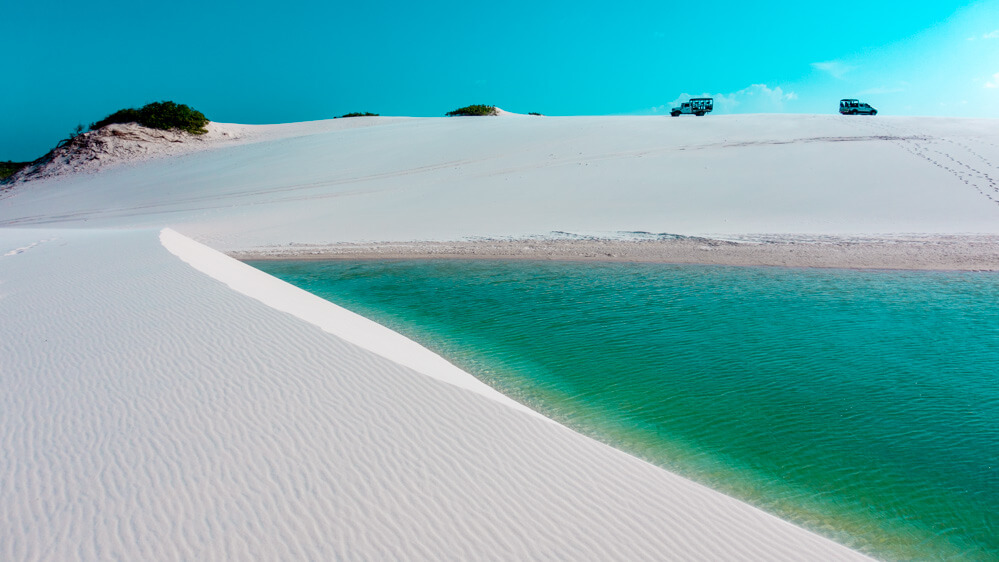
[254, 62]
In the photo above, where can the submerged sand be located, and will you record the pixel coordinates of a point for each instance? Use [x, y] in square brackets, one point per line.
[957, 253]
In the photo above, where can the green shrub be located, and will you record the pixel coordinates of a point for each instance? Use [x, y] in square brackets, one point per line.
[365, 114]
[473, 110]
[535, 113]
[8, 169]
[159, 115]
[120, 116]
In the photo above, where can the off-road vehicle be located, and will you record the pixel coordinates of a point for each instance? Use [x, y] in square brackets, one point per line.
[696, 106]
[855, 107]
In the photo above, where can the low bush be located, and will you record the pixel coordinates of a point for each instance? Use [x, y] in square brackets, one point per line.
[8, 169]
[159, 115]
[365, 114]
[75, 133]
[472, 110]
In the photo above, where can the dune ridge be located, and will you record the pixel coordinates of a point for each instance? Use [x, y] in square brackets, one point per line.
[330, 318]
[368, 180]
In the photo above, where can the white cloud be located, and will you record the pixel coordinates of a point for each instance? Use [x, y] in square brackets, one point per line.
[757, 98]
[990, 35]
[994, 83]
[834, 68]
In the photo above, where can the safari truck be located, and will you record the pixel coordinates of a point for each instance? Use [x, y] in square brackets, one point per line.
[696, 106]
[855, 107]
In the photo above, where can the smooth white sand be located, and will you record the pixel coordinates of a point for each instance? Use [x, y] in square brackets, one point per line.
[375, 179]
[159, 400]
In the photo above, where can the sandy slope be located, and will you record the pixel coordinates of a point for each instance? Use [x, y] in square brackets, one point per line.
[126, 144]
[149, 411]
[446, 179]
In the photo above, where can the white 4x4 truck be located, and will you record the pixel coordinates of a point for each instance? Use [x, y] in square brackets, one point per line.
[696, 106]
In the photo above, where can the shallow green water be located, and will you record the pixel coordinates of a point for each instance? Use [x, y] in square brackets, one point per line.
[863, 405]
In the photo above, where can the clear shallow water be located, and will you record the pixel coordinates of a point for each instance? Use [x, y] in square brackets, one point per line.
[863, 405]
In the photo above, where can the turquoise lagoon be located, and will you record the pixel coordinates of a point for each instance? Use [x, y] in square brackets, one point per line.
[861, 404]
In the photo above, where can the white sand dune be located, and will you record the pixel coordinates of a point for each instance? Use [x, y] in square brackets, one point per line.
[150, 411]
[159, 400]
[390, 179]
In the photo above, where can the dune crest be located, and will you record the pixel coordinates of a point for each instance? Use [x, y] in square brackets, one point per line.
[122, 143]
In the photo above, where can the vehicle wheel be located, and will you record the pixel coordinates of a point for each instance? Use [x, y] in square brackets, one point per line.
[854, 112]
[675, 114]
[875, 112]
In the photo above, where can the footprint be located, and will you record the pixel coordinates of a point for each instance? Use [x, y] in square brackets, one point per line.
[23, 249]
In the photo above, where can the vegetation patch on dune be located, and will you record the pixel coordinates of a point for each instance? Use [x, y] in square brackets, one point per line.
[358, 114]
[472, 110]
[159, 115]
[8, 169]
[135, 131]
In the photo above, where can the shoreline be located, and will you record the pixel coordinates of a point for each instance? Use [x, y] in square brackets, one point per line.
[359, 281]
[903, 252]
